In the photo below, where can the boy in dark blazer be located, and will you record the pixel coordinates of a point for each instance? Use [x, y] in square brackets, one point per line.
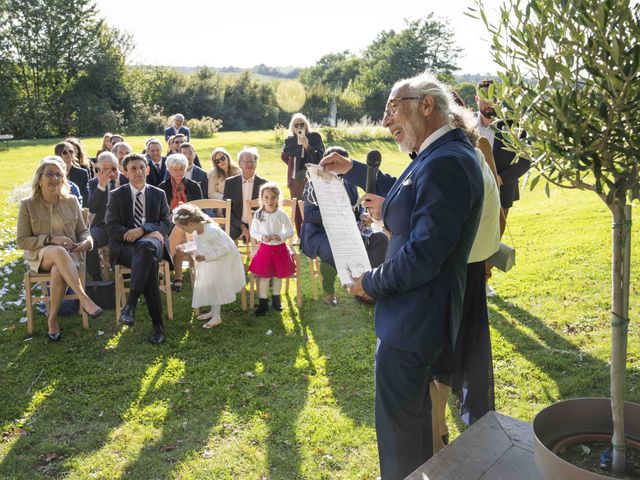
[139, 222]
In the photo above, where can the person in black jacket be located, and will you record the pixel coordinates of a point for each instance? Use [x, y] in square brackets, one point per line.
[178, 189]
[75, 174]
[157, 163]
[302, 146]
[106, 180]
[509, 172]
[138, 221]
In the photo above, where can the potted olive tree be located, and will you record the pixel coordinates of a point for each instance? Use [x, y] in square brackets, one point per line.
[570, 78]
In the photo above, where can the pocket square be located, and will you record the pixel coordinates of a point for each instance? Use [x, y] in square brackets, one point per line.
[407, 182]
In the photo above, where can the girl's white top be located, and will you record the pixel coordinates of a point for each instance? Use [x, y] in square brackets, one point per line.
[276, 223]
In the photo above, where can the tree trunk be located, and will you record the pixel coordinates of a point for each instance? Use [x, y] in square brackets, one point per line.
[621, 265]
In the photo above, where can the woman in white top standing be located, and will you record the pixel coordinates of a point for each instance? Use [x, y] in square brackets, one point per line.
[271, 227]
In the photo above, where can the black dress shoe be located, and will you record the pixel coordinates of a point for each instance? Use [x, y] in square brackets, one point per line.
[276, 303]
[128, 315]
[54, 337]
[158, 335]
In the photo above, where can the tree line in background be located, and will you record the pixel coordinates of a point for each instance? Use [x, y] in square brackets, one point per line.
[63, 71]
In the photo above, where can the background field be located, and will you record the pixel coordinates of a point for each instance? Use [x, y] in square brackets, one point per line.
[237, 402]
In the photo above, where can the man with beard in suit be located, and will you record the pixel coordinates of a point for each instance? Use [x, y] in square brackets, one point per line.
[432, 211]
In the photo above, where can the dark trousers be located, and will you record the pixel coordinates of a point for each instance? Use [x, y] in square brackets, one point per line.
[142, 257]
[100, 239]
[296, 188]
[402, 410]
[376, 246]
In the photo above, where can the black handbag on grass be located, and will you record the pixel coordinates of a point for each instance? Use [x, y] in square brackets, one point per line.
[103, 293]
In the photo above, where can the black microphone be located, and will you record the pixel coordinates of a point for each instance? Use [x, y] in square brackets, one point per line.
[374, 158]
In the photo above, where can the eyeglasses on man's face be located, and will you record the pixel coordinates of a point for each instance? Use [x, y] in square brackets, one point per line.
[392, 105]
[112, 169]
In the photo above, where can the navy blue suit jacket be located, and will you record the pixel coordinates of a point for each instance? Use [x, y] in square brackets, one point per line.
[432, 211]
[169, 132]
[120, 218]
[155, 176]
[97, 202]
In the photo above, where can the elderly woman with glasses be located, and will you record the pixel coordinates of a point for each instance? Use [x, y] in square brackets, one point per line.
[178, 189]
[77, 175]
[302, 146]
[52, 233]
[223, 168]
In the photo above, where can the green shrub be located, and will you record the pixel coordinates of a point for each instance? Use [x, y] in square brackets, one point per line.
[205, 127]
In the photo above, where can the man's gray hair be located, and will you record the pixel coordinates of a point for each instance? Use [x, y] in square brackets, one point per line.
[177, 160]
[253, 151]
[116, 148]
[107, 156]
[179, 115]
[427, 84]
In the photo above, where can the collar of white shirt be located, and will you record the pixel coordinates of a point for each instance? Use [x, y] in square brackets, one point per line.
[134, 190]
[434, 136]
[250, 180]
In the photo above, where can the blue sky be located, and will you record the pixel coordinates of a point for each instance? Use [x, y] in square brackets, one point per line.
[245, 33]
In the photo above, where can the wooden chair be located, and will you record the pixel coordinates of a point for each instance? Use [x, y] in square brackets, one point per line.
[291, 204]
[123, 284]
[225, 223]
[314, 263]
[105, 266]
[33, 279]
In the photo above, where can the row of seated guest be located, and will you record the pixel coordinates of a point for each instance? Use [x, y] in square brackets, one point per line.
[133, 218]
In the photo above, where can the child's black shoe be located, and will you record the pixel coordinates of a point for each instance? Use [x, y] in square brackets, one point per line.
[276, 303]
[263, 306]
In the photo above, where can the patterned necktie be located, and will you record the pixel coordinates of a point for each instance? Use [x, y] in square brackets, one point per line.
[138, 211]
[112, 185]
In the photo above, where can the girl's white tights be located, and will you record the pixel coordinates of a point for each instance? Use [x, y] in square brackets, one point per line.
[213, 314]
[263, 286]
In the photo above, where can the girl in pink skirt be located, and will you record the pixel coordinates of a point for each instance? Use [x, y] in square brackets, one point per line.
[271, 227]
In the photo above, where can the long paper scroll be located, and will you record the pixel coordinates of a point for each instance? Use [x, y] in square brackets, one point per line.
[339, 222]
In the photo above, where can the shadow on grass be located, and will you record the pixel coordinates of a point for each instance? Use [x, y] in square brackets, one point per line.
[347, 342]
[553, 354]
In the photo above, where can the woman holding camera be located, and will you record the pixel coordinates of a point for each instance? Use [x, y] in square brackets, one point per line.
[302, 146]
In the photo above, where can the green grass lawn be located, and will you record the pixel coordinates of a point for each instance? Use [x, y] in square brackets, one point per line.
[285, 396]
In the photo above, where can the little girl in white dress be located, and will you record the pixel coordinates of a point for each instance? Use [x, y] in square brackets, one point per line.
[219, 271]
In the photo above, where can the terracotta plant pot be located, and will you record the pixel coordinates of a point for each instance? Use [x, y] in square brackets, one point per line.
[577, 418]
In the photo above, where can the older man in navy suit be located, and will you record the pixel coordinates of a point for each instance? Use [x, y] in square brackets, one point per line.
[177, 127]
[432, 211]
[139, 222]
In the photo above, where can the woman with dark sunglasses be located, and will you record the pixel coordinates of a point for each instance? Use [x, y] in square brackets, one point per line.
[76, 175]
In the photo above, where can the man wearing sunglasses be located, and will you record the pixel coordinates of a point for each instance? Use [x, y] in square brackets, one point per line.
[432, 211]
